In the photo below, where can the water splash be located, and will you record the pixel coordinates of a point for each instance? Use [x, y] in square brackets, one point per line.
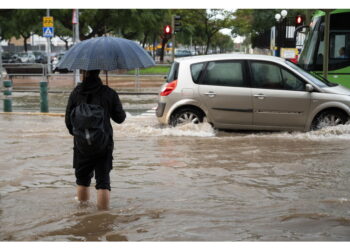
[340, 132]
[145, 125]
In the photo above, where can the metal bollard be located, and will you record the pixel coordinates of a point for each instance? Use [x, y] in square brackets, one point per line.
[44, 105]
[8, 96]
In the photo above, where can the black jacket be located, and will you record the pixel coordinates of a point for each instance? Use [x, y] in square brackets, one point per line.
[95, 92]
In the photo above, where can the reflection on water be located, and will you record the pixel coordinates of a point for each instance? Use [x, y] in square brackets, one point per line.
[190, 183]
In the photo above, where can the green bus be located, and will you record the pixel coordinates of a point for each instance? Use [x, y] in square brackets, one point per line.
[311, 57]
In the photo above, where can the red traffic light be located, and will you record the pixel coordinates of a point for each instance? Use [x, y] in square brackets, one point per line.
[299, 20]
[167, 30]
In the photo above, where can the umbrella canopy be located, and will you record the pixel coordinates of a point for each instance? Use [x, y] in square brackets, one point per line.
[106, 53]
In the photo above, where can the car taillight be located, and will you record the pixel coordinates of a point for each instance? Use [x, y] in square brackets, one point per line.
[169, 88]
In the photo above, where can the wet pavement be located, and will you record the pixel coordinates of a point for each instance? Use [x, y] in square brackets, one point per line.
[190, 183]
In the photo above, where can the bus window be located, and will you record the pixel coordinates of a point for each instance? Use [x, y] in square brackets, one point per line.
[339, 49]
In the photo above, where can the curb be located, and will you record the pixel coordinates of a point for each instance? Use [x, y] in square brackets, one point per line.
[33, 113]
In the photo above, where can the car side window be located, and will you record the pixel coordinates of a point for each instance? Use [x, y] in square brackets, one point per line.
[291, 82]
[224, 73]
[266, 75]
[196, 70]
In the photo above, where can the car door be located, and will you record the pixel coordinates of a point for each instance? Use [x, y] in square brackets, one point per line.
[279, 96]
[224, 91]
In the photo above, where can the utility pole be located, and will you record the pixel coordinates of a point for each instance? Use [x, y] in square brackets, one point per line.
[48, 48]
[75, 22]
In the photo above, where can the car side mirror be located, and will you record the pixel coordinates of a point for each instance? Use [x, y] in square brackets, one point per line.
[309, 87]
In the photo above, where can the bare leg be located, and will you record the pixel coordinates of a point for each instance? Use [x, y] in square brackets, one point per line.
[103, 199]
[83, 193]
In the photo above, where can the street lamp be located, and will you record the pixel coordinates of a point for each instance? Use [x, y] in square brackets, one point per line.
[284, 13]
[280, 17]
[280, 30]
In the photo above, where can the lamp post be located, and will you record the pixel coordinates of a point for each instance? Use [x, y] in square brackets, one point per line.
[280, 30]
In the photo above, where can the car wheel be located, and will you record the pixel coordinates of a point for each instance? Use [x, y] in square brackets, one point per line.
[185, 116]
[329, 118]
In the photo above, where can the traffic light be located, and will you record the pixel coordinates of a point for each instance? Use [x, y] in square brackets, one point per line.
[167, 31]
[177, 23]
[299, 20]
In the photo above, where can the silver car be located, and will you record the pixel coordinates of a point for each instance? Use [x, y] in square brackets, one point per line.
[255, 92]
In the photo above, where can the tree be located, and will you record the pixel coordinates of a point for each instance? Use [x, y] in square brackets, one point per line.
[25, 22]
[203, 24]
[254, 23]
[6, 26]
[63, 24]
[223, 42]
[151, 23]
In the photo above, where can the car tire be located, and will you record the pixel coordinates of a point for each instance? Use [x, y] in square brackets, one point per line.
[187, 115]
[329, 118]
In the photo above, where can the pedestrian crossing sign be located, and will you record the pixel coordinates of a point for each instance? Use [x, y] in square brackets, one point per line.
[48, 32]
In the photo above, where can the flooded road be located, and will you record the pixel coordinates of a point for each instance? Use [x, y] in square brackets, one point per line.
[190, 183]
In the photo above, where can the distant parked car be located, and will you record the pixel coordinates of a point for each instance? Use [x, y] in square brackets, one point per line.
[56, 60]
[40, 57]
[254, 92]
[10, 57]
[182, 52]
[27, 57]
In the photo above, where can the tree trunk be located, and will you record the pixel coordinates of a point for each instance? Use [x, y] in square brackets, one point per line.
[164, 41]
[207, 46]
[25, 44]
[144, 40]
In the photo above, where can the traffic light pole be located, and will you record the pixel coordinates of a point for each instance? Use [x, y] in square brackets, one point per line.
[173, 38]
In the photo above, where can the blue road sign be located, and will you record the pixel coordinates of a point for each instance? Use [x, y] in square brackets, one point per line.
[48, 32]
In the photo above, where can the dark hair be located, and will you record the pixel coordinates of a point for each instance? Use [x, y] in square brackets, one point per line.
[92, 73]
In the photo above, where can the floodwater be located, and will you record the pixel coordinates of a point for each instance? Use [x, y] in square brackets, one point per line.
[190, 183]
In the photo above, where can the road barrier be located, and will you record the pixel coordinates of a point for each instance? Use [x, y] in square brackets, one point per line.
[8, 96]
[28, 77]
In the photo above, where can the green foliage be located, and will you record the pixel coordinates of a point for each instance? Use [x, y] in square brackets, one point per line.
[6, 25]
[21, 23]
[202, 25]
[224, 42]
[156, 70]
[253, 23]
[199, 26]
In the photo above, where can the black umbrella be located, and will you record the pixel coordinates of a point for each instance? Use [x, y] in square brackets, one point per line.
[106, 53]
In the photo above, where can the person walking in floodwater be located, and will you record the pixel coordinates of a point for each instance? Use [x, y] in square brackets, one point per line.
[90, 107]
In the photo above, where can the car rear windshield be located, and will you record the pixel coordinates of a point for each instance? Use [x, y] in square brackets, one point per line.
[173, 72]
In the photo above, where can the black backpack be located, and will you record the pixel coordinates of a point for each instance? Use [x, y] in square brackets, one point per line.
[89, 132]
